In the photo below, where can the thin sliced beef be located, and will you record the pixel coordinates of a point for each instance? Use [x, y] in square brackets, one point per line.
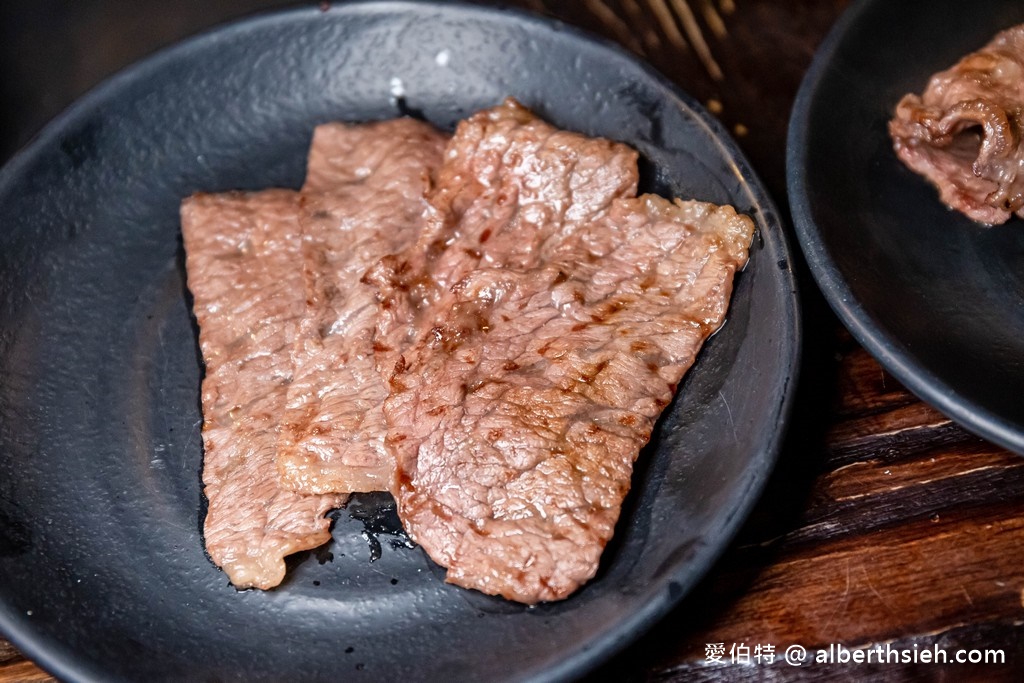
[241, 255]
[509, 181]
[363, 199]
[964, 132]
[554, 314]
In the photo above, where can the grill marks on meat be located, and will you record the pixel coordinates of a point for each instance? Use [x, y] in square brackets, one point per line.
[363, 199]
[964, 132]
[241, 254]
[523, 322]
[509, 181]
[553, 314]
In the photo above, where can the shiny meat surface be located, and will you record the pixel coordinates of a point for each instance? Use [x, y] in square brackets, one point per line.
[241, 251]
[964, 132]
[554, 314]
[363, 199]
[509, 181]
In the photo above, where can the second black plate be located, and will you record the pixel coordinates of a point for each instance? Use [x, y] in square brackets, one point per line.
[938, 299]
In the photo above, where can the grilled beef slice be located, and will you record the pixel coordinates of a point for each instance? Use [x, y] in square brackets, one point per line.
[363, 199]
[552, 314]
[964, 132]
[241, 254]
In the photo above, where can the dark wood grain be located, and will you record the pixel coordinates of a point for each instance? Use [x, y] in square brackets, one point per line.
[884, 523]
[908, 534]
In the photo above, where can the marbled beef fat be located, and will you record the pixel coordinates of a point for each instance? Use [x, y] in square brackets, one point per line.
[363, 199]
[965, 133]
[553, 313]
[241, 254]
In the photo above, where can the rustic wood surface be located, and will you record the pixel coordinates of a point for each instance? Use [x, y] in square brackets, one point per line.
[884, 522]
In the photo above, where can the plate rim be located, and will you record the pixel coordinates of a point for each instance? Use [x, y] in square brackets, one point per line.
[62, 661]
[880, 342]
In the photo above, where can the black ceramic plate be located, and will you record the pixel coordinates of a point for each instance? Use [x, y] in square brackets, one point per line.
[939, 300]
[102, 569]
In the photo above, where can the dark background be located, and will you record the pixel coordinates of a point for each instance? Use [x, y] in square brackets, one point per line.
[884, 522]
[52, 52]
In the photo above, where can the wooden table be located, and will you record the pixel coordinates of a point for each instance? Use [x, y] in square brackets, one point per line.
[884, 523]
